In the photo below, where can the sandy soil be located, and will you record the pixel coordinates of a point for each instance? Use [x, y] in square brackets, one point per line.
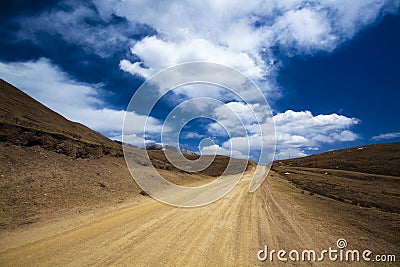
[229, 232]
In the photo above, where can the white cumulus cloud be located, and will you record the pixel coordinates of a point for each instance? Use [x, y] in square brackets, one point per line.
[242, 34]
[386, 136]
[158, 54]
[74, 100]
[301, 131]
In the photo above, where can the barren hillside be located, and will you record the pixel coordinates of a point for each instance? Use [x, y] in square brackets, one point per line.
[50, 165]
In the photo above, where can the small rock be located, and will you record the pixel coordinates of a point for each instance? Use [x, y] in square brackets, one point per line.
[143, 193]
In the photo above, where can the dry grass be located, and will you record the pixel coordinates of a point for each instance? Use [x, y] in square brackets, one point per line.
[364, 176]
[35, 183]
[381, 159]
[216, 168]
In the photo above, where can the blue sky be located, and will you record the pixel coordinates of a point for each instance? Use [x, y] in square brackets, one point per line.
[329, 69]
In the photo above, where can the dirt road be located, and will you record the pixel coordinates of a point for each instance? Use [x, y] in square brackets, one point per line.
[228, 232]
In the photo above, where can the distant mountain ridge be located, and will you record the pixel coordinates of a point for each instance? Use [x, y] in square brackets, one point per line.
[156, 146]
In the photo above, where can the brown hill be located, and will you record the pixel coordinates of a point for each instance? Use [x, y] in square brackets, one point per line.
[366, 176]
[50, 165]
[381, 159]
[24, 121]
[215, 169]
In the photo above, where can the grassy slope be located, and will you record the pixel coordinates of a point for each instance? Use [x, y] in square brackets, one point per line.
[375, 159]
[367, 176]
